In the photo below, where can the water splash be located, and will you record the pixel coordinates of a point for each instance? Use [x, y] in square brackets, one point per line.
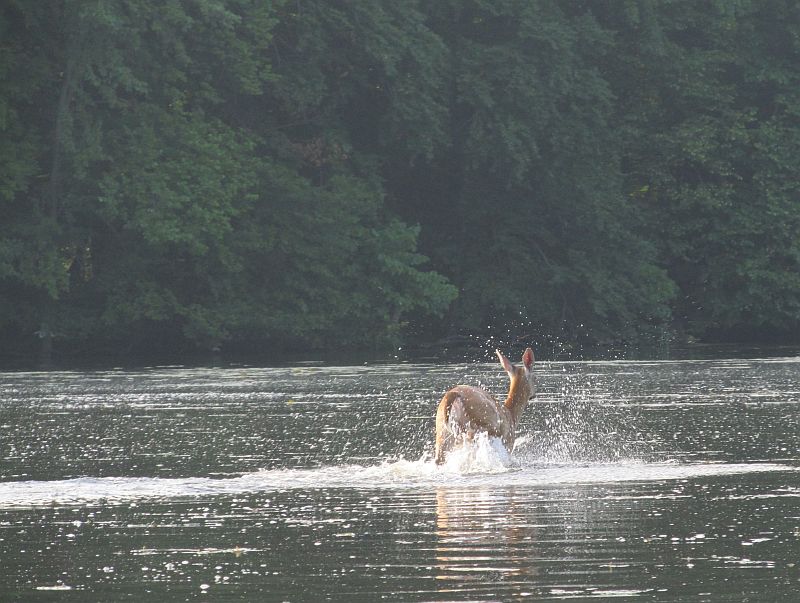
[484, 454]
[483, 466]
[581, 420]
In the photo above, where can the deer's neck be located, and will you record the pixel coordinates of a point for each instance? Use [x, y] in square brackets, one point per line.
[517, 399]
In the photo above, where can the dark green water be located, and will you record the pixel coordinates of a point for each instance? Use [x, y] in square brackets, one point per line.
[633, 481]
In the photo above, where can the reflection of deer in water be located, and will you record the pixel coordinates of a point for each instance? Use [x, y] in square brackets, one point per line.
[485, 537]
[466, 410]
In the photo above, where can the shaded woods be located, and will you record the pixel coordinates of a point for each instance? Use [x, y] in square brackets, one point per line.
[255, 175]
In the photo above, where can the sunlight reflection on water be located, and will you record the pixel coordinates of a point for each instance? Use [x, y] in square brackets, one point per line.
[630, 480]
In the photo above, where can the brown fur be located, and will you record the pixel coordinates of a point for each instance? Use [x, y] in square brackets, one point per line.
[466, 410]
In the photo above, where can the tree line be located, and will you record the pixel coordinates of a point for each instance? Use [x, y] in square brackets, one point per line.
[308, 174]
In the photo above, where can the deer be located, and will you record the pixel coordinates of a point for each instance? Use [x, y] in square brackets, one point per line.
[465, 411]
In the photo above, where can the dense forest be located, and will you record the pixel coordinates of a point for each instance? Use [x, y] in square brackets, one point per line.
[256, 175]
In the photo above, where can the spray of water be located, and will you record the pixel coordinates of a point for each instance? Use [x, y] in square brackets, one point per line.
[581, 420]
[483, 454]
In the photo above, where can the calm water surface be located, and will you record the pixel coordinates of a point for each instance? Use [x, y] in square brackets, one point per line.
[632, 481]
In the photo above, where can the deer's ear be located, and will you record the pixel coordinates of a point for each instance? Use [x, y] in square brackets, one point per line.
[507, 366]
[527, 358]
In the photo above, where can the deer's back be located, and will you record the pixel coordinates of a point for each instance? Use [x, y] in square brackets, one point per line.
[471, 407]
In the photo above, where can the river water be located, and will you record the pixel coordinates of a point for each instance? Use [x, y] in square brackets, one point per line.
[632, 481]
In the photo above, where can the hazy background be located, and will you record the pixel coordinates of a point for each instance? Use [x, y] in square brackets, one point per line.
[253, 176]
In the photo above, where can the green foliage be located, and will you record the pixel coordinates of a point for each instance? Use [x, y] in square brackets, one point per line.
[292, 174]
[714, 156]
[531, 222]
